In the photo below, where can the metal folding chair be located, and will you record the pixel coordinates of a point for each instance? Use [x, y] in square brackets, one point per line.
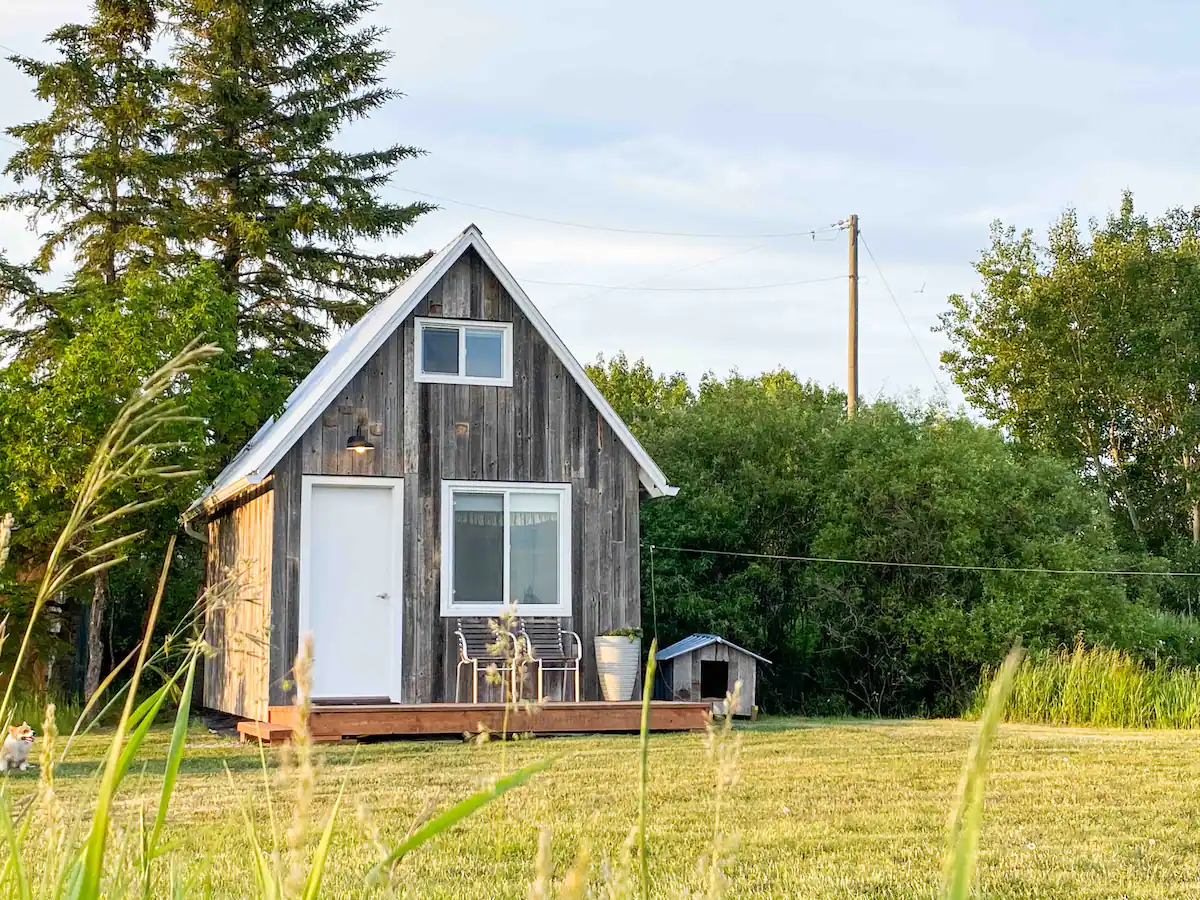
[475, 637]
[545, 641]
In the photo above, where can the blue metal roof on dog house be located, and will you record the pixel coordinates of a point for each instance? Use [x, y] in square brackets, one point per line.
[696, 641]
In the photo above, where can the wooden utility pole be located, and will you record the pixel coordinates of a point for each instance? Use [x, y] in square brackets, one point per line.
[852, 349]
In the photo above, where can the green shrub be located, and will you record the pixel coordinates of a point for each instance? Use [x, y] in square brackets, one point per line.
[773, 466]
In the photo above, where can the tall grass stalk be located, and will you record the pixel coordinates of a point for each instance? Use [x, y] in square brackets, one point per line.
[304, 773]
[966, 819]
[119, 752]
[76, 857]
[1101, 687]
[127, 452]
[216, 596]
[644, 771]
[724, 748]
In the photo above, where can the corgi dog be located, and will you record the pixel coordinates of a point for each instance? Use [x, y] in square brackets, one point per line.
[14, 754]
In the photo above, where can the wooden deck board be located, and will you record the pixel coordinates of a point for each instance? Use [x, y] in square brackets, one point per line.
[332, 723]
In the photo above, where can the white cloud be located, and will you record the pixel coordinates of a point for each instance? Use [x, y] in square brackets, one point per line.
[928, 119]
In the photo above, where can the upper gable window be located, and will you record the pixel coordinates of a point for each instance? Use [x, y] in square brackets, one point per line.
[463, 351]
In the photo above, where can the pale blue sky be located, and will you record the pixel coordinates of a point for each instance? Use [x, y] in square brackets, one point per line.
[927, 119]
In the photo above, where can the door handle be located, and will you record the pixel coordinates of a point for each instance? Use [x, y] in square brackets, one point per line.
[385, 595]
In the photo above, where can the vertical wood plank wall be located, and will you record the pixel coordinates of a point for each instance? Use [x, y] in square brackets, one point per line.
[285, 576]
[239, 546]
[542, 429]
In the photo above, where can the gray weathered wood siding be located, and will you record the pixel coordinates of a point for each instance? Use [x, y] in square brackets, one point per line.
[542, 429]
[238, 625]
[685, 675]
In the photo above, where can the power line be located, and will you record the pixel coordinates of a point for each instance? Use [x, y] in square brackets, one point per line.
[653, 593]
[896, 303]
[687, 234]
[745, 287]
[911, 565]
[641, 281]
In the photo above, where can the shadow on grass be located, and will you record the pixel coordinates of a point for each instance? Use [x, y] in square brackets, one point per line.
[196, 765]
[794, 723]
[799, 723]
[214, 759]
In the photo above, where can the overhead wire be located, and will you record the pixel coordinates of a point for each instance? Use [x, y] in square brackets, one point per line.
[962, 567]
[616, 230]
[743, 287]
[639, 285]
[679, 271]
[887, 287]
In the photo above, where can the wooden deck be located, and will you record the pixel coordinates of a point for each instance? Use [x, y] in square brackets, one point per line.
[336, 723]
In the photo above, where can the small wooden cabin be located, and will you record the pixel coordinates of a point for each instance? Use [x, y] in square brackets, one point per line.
[449, 454]
[706, 667]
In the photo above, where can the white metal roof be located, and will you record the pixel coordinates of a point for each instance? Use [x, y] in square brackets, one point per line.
[358, 344]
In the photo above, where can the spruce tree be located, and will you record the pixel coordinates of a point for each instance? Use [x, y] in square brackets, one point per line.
[264, 87]
[94, 177]
[94, 169]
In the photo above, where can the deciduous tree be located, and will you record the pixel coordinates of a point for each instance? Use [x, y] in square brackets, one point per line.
[772, 466]
[637, 393]
[1087, 347]
[53, 412]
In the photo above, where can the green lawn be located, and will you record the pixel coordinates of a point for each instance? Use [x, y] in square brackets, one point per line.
[823, 809]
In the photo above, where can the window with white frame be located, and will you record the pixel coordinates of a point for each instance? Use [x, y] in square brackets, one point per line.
[504, 543]
[463, 351]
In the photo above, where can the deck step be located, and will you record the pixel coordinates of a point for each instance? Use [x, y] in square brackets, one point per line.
[268, 733]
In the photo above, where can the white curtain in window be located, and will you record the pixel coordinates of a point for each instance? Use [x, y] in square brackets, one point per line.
[533, 547]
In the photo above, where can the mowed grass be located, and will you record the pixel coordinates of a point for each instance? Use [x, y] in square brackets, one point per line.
[843, 809]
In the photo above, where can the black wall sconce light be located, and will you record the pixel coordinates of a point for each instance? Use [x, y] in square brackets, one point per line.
[358, 442]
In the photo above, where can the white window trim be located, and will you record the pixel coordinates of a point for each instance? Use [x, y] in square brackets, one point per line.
[451, 609]
[505, 328]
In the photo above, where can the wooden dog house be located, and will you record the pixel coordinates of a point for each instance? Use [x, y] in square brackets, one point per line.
[706, 667]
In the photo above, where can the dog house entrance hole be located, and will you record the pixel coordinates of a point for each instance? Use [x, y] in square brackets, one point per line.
[714, 679]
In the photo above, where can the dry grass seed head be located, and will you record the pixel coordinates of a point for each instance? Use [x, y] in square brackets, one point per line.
[49, 738]
[543, 868]
[304, 776]
[575, 883]
[370, 835]
[617, 877]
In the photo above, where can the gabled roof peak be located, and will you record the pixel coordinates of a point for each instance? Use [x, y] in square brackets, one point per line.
[355, 347]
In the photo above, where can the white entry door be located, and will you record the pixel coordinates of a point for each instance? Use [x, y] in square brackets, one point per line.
[350, 584]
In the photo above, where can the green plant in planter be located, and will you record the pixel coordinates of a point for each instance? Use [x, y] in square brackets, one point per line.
[634, 634]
